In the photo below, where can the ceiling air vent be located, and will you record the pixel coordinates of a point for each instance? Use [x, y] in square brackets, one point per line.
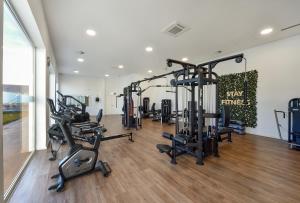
[175, 29]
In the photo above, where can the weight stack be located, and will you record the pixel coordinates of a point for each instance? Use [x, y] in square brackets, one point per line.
[166, 110]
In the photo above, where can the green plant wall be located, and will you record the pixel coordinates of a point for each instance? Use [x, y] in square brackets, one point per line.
[231, 92]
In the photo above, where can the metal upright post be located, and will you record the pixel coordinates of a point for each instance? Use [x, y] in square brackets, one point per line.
[199, 152]
[192, 113]
[176, 109]
[216, 134]
[129, 103]
[138, 108]
[290, 135]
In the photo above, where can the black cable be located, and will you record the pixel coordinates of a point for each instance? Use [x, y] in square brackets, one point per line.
[245, 84]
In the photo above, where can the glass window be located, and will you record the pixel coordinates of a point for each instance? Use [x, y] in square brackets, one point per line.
[18, 93]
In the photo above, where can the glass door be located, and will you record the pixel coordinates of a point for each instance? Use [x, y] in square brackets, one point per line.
[18, 98]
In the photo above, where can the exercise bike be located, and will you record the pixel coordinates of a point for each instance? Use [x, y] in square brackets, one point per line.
[80, 160]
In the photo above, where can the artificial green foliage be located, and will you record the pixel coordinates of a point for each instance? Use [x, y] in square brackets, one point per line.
[235, 83]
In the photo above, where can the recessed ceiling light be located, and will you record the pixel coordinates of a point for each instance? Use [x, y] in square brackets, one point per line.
[91, 32]
[76, 71]
[149, 71]
[266, 31]
[120, 66]
[149, 49]
[184, 59]
[106, 75]
[80, 60]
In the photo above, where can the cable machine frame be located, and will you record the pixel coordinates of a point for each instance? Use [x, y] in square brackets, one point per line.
[195, 76]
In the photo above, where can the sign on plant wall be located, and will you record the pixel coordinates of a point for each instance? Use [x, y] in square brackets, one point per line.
[231, 92]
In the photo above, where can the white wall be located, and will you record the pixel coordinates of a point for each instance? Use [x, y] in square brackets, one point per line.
[156, 94]
[116, 85]
[84, 86]
[278, 66]
[106, 88]
[38, 12]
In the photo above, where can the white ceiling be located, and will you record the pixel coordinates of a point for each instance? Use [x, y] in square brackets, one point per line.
[125, 27]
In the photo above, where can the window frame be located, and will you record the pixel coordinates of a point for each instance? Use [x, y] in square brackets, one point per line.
[9, 191]
[19, 21]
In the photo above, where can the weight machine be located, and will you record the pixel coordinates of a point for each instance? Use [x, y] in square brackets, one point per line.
[200, 133]
[146, 110]
[165, 113]
[293, 123]
[132, 115]
[195, 138]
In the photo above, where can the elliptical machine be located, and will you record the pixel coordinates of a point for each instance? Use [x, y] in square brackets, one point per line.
[80, 159]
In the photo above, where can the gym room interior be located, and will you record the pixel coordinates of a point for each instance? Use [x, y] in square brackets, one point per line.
[150, 101]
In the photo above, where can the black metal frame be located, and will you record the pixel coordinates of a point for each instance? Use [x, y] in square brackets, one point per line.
[98, 165]
[195, 76]
[112, 137]
[201, 75]
[88, 136]
[277, 121]
[293, 123]
[145, 89]
[128, 120]
[63, 102]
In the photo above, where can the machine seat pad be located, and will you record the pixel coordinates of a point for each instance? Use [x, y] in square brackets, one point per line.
[224, 130]
[181, 138]
[167, 135]
[163, 148]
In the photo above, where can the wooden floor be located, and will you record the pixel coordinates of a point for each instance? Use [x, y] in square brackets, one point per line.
[251, 169]
[13, 156]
